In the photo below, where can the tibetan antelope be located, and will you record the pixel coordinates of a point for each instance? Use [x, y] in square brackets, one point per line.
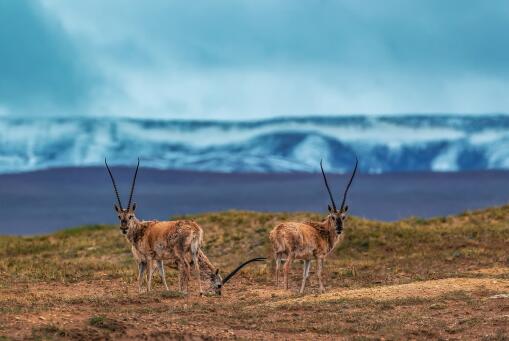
[177, 243]
[309, 239]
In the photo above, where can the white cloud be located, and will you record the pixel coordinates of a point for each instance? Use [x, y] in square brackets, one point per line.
[3, 111]
[223, 59]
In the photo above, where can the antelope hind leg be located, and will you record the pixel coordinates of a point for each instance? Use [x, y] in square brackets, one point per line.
[198, 274]
[160, 265]
[305, 274]
[278, 266]
[319, 268]
[150, 274]
[184, 272]
[287, 267]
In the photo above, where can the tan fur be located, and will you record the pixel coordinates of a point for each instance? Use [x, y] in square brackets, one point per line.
[306, 241]
[175, 242]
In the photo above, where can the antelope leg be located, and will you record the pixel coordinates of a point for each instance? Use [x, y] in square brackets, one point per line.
[141, 269]
[286, 268]
[278, 266]
[319, 269]
[305, 274]
[162, 273]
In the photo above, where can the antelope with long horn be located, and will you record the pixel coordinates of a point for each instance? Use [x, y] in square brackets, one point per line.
[308, 240]
[177, 243]
[211, 273]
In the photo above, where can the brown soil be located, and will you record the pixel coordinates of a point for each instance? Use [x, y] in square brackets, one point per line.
[448, 308]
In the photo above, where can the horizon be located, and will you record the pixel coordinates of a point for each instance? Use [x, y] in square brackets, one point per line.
[314, 116]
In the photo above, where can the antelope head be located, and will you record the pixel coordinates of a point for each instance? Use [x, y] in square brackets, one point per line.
[338, 216]
[217, 282]
[126, 216]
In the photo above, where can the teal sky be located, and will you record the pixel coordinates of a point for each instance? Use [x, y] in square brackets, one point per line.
[252, 59]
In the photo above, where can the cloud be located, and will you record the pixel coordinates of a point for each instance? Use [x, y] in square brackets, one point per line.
[248, 59]
[39, 68]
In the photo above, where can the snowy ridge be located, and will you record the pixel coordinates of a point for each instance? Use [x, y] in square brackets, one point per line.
[383, 144]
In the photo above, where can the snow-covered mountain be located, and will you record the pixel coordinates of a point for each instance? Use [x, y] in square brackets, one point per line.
[383, 144]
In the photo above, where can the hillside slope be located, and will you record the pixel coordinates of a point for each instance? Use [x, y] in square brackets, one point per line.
[445, 277]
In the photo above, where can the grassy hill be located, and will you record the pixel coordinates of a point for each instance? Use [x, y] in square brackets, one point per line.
[445, 277]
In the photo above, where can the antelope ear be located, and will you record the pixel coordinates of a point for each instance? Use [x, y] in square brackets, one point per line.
[330, 208]
[116, 208]
[217, 271]
[134, 207]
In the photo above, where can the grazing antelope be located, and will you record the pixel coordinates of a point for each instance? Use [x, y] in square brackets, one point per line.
[309, 240]
[211, 273]
[177, 242]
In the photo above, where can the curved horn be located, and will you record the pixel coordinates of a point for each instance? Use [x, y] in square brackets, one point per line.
[132, 185]
[114, 184]
[231, 274]
[328, 189]
[349, 183]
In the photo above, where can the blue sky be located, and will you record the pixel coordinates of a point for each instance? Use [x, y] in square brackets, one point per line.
[252, 59]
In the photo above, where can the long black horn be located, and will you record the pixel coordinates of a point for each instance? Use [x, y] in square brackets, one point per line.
[114, 184]
[328, 189]
[231, 274]
[349, 183]
[132, 186]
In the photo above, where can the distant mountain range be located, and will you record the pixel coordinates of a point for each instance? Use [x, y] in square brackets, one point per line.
[383, 144]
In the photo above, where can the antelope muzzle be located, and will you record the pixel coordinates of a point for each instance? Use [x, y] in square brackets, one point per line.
[123, 226]
[339, 225]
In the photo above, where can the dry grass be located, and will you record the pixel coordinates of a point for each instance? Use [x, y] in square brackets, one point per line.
[415, 279]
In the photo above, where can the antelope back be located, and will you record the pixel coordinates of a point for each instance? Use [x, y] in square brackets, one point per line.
[297, 238]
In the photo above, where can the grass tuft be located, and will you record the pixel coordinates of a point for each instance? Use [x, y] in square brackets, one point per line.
[103, 322]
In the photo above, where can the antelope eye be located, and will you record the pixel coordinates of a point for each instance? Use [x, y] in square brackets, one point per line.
[119, 217]
[130, 217]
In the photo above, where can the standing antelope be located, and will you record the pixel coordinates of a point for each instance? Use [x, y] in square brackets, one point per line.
[310, 239]
[177, 242]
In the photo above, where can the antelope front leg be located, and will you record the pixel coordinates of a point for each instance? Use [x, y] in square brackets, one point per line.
[162, 273]
[286, 268]
[305, 274]
[150, 274]
[319, 268]
[278, 266]
[141, 269]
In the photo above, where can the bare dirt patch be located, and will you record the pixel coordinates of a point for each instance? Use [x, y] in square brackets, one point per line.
[423, 290]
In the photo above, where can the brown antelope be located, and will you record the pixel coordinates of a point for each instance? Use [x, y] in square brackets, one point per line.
[177, 243]
[309, 240]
